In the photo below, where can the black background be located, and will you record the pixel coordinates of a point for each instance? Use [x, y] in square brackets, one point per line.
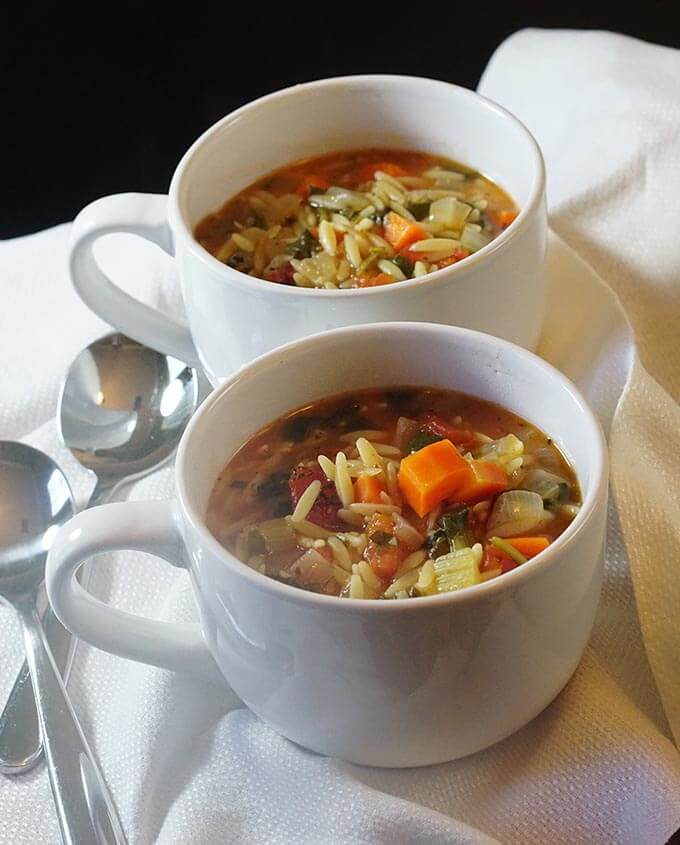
[102, 98]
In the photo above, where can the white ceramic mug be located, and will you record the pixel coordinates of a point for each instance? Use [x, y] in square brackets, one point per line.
[386, 683]
[233, 318]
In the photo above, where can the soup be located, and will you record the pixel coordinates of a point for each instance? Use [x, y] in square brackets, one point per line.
[393, 494]
[357, 219]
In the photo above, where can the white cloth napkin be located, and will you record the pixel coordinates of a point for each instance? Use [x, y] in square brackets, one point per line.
[187, 763]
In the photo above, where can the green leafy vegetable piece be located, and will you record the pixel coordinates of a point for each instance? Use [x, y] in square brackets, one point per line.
[421, 440]
[383, 538]
[403, 264]
[419, 210]
[274, 486]
[438, 544]
[304, 246]
[297, 429]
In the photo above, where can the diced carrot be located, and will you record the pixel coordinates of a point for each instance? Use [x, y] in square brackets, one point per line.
[529, 546]
[311, 181]
[383, 557]
[485, 479]
[367, 489]
[371, 281]
[432, 474]
[503, 217]
[401, 232]
[384, 560]
[460, 253]
[366, 174]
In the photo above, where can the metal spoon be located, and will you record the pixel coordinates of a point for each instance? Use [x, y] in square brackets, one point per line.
[36, 502]
[122, 411]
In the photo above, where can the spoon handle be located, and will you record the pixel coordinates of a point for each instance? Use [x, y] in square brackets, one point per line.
[20, 743]
[84, 806]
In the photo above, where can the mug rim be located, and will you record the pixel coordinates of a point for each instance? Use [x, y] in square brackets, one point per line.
[499, 244]
[477, 592]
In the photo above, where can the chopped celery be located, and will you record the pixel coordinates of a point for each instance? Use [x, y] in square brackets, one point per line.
[458, 569]
[508, 549]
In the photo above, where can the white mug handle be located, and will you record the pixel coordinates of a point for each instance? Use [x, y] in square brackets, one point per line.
[152, 527]
[138, 214]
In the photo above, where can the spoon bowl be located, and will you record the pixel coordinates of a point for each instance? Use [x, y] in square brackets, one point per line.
[36, 502]
[123, 408]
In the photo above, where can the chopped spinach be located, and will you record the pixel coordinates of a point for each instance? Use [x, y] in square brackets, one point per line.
[455, 523]
[451, 533]
[236, 261]
[421, 440]
[304, 246]
[438, 544]
[349, 417]
[407, 402]
[298, 429]
[274, 486]
[382, 538]
[403, 264]
[419, 210]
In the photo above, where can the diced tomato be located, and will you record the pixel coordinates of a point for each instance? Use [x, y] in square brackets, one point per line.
[436, 425]
[282, 275]
[325, 509]
[494, 558]
[460, 253]
[311, 181]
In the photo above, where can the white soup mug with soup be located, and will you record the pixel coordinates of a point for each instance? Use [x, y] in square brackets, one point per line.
[232, 317]
[378, 682]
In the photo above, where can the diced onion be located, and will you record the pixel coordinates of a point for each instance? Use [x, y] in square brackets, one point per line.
[515, 513]
[472, 239]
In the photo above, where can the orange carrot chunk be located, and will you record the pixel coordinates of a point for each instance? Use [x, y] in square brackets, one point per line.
[432, 474]
[486, 479]
[400, 232]
[367, 172]
[529, 546]
[503, 217]
[367, 489]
